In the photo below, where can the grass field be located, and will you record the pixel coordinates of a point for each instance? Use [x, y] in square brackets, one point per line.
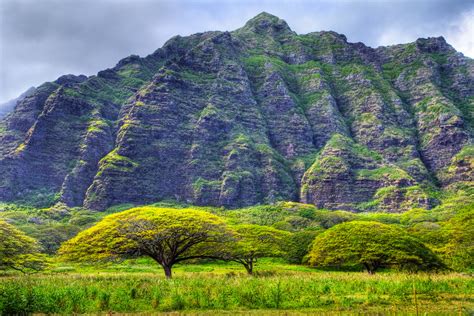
[212, 288]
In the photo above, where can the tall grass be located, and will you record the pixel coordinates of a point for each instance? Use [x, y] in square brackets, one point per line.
[149, 292]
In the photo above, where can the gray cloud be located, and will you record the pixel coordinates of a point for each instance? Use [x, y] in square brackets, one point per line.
[41, 40]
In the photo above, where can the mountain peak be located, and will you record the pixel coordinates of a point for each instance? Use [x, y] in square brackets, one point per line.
[255, 116]
[265, 22]
[433, 45]
[264, 16]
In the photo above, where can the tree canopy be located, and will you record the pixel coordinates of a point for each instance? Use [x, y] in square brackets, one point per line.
[168, 236]
[459, 250]
[18, 251]
[253, 242]
[299, 244]
[370, 244]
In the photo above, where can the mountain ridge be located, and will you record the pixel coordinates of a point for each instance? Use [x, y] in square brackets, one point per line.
[256, 115]
[9, 105]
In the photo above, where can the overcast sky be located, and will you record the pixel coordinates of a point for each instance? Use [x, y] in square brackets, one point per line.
[43, 39]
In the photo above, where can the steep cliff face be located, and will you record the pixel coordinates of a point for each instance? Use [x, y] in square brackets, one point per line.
[252, 116]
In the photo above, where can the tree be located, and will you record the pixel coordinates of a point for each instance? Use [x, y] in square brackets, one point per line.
[253, 242]
[51, 235]
[168, 236]
[298, 245]
[458, 252]
[328, 219]
[373, 245]
[18, 251]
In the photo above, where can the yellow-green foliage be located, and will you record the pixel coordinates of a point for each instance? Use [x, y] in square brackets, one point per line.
[372, 245]
[328, 219]
[464, 157]
[115, 161]
[269, 215]
[253, 242]
[166, 235]
[448, 230]
[386, 172]
[18, 251]
[328, 163]
[20, 148]
[416, 215]
[97, 125]
[467, 152]
[459, 230]
[298, 245]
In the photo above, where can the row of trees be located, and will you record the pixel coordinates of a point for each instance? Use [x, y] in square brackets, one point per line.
[170, 236]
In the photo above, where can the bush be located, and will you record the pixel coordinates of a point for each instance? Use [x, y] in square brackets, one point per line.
[328, 219]
[372, 245]
[299, 244]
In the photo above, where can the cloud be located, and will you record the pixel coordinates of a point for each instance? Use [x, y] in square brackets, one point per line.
[41, 40]
[461, 34]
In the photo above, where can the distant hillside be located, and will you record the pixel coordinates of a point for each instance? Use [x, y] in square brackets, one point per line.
[8, 106]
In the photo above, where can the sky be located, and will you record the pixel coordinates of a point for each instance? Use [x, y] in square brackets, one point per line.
[41, 40]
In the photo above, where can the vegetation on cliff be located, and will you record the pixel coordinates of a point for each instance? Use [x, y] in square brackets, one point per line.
[254, 116]
[283, 153]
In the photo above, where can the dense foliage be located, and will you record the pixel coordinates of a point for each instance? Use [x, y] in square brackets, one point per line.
[372, 245]
[168, 236]
[298, 245]
[446, 229]
[18, 251]
[253, 242]
[50, 226]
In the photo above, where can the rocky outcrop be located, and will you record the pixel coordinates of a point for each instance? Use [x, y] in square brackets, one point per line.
[257, 115]
[348, 176]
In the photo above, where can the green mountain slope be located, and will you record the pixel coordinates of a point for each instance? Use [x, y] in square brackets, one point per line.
[257, 115]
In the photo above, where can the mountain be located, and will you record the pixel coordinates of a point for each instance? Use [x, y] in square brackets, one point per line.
[257, 115]
[8, 106]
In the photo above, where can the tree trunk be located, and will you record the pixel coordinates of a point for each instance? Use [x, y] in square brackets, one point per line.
[168, 273]
[370, 268]
[249, 267]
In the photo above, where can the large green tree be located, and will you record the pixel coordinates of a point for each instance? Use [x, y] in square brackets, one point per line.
[168, 236]
[252, 242]
[451, 237]
[373, 245]
[458, 252]
[299, 244]
[18, 251]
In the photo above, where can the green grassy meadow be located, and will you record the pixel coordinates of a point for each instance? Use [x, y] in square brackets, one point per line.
[138, 286]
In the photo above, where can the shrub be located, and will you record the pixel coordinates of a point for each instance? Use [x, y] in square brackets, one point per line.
[372, 245]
